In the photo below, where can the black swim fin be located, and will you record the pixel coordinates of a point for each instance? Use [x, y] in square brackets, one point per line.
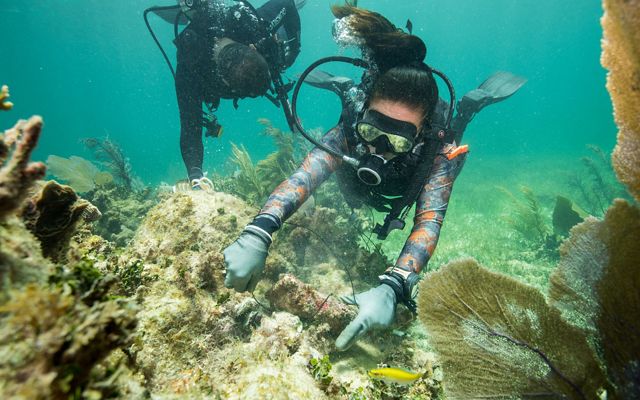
[324, 80]
[170, 14]
[499, 86]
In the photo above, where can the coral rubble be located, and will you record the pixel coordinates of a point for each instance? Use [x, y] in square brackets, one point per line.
[18, 174]
[621, 56]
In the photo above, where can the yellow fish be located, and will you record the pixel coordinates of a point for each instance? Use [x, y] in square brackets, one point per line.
[394, 375]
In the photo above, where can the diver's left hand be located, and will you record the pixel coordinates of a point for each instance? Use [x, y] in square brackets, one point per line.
[377, 308]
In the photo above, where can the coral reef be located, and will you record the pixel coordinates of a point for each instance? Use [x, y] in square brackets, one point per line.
[53, 213]
[4, 95]
[79, 173]
[621, 56]
[578, 346]
[18, 174]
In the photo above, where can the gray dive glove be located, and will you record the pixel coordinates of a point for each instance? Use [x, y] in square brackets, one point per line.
[377, 308]
[245, 258]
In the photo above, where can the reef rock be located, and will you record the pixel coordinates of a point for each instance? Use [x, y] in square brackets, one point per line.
[53, 213]
[294, 296]
[621, 56]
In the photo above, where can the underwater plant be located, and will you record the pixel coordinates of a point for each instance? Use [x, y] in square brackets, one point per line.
[596, 185]
[497, 337]
[110, 154]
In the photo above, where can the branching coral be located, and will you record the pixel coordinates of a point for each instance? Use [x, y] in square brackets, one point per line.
[4, 95]
[621, 56]
[52, 215]
[18, 174]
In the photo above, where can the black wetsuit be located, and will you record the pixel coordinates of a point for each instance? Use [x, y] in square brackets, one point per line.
[197, 80]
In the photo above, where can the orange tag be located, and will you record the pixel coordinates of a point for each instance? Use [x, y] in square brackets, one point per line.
[457, 151]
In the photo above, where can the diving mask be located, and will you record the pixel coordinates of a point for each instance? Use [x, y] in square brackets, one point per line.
[385, 133]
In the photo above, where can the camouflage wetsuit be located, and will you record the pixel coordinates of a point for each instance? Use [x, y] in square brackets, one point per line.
[430, 208]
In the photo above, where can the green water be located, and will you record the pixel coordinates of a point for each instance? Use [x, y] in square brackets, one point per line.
[91, 69]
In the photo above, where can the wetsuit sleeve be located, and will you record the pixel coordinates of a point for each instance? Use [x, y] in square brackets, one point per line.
[431, 208]
[315, 169]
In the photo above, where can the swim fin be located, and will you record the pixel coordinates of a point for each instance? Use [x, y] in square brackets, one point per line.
[324, 80]
[169, 14]
[499, 86]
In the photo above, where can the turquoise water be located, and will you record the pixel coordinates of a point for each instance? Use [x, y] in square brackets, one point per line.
[91, 69]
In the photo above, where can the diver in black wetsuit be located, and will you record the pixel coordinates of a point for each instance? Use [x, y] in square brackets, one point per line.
[228, 53]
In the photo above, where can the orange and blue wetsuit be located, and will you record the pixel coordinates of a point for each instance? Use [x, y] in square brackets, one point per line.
[431, 205]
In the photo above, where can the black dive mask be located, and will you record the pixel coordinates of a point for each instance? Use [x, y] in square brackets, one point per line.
[386, 134]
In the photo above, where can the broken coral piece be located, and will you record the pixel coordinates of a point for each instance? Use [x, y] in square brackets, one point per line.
[53, 214]
[499, 338]
[4, 95]
[621, 56]
[17, 175]
[294, 296]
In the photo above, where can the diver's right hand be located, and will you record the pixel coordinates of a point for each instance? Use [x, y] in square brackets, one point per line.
[245, 259]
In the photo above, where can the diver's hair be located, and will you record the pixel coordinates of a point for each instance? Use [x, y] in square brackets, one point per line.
[388, 45]
[412, 85]
[244, 69]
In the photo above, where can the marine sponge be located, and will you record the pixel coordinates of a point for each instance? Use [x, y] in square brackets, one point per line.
[4, 95]
[18, 174]
[53, 214]
[621, 56]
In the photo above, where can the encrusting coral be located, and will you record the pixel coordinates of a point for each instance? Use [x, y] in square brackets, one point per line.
[621, 56]
[52, 215]
[4, 95]
[18, 174]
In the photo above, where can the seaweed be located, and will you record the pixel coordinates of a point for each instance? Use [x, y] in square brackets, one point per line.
[110, 154]
[596, 184]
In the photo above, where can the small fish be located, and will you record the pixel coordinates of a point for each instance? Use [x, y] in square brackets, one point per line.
[409, 26]
[394, 375]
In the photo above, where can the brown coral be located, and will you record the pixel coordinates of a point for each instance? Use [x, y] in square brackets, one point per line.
[294, 296]
[621, 56]
[18, 174]
[53, 214]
